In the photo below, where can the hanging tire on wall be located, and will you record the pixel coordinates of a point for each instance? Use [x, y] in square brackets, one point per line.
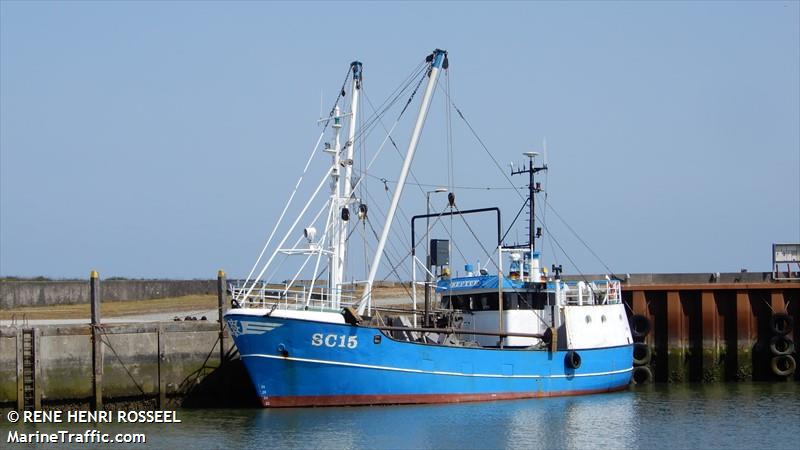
[642, 354]
[781, 324]
[783, 365]
[572, 359]
[781, 345]
[640, 326]
[642, 375]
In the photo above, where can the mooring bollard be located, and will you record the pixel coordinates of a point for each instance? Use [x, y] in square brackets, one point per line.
[220, 306]
[97, 357]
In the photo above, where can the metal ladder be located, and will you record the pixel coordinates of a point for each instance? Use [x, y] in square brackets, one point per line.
[28, 368]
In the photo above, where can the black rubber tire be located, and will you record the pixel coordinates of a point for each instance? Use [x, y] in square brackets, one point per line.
[783, 365]
[781, 345]
[640, 326]
[642, 375]
[642, 354]
[781, 324]
[572, 360]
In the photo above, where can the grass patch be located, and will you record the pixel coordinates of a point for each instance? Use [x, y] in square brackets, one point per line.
[115, 308]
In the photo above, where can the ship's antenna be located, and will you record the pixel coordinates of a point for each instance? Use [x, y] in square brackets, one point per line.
[533, 188]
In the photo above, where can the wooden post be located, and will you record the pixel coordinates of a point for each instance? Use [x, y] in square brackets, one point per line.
[162, 385]
[20, 372]
[97, 357]
[37, 371]
[220, 309]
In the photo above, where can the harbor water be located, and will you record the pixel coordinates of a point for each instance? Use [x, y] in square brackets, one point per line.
[725, 416]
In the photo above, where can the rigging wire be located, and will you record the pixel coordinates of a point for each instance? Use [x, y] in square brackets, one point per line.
[488, 255]
[294, 224]
[476, 188]
[450, 178]
[480, 141]
[522, 208]
[611, 272]
[370, 123]
[450, 171]
[285, 208]
[449, 232]
[393, 229]
[388, 258]
[326, 124]
[305, 169]
[394, 144]
[483, 145]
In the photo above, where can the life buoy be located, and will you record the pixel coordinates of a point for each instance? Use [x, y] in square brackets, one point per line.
[572, 359]
[640, 326]
[781, 323]
[781, 345]
[641, 375]
[642, 354]
[783, 365]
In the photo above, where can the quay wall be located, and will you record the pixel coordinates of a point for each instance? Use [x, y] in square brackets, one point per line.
[16, 294]
[711, 332]
[146, 363]
[23, 293]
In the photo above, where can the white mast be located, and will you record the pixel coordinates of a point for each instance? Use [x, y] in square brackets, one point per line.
[347, 162]
[436, 59]
[334, 277]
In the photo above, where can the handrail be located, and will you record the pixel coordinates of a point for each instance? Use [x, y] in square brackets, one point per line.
[460, 331]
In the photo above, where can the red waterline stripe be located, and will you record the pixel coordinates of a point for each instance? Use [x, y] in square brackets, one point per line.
[355, 400]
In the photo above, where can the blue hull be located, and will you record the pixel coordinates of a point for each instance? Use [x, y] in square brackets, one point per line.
[303, 363]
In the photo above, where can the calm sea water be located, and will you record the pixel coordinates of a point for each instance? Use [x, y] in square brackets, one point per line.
[721, 416]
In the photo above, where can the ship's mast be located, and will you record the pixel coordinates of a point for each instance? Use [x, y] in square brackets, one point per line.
[334, 276]
[533, 189]
[436, 59]
[342, 209]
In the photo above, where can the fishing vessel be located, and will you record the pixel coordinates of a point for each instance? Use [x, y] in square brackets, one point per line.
[507, 330]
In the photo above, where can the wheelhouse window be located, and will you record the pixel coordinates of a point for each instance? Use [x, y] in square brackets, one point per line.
[487, 301]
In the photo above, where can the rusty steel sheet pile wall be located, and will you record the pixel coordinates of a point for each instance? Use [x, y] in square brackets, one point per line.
[709, 332]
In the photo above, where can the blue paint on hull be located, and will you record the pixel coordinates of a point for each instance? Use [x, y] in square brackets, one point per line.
[303, 363]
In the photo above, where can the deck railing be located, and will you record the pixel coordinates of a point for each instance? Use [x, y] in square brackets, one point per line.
[301, 298]
[599, 292]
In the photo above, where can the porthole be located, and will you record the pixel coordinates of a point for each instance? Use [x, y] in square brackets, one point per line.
[588, 319]
[603, 318]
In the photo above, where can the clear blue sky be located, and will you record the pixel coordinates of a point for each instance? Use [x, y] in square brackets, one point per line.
[155, 139]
